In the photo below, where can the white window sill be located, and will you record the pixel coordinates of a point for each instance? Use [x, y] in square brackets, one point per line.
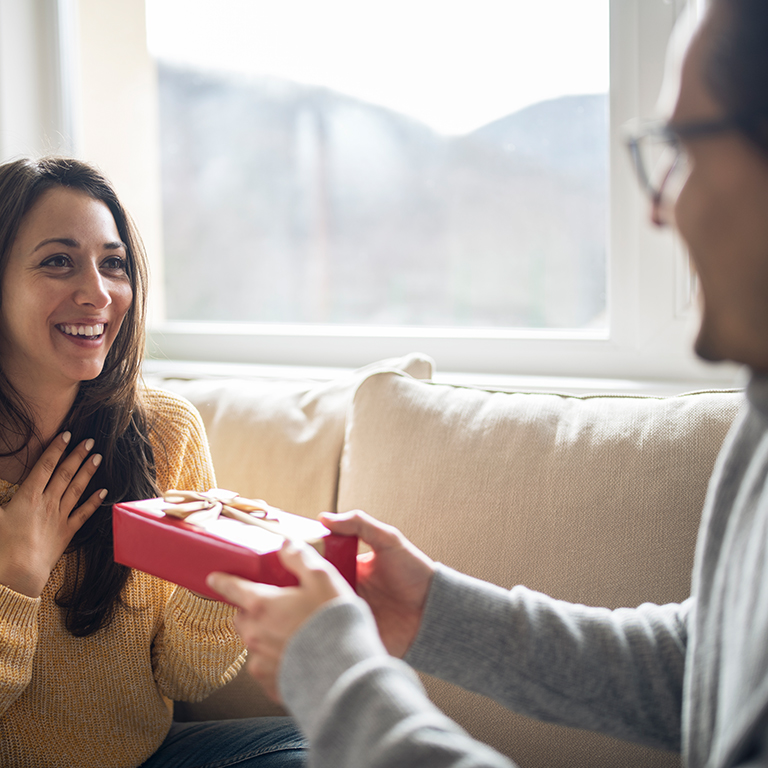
[192, 369]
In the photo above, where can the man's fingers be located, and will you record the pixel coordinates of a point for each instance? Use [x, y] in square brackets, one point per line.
[301, 560]
[320, 577]
[232, 588]
[376, 534]
[241, 592]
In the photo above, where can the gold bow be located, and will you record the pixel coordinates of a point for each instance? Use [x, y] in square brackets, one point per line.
[200, 508]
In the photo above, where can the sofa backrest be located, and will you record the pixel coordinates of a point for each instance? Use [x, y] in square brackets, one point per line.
[281, 440]
[589, 499]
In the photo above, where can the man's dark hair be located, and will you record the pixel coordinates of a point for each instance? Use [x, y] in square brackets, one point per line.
[737, 67]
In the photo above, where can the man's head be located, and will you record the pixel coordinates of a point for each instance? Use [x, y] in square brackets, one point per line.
[721, 210]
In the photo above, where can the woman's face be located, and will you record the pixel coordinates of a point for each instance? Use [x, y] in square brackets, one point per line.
[64, 293]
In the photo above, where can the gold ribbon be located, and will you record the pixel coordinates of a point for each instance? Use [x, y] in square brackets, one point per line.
[204, 507]
[200, 508]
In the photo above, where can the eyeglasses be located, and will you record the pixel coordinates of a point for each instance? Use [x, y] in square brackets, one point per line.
[658, 155]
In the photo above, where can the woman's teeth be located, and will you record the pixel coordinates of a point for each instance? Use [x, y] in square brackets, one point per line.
[82, 330]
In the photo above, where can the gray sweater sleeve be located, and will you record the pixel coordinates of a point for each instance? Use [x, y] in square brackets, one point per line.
[361, 708]
[617, 672]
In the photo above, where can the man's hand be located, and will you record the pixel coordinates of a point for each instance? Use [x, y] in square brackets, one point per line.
[394, 578]
[269, 616]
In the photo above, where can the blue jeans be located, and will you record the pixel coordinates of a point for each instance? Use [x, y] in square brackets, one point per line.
[257, 742]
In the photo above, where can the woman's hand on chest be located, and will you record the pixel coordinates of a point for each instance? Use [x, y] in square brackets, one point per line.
[38, 523]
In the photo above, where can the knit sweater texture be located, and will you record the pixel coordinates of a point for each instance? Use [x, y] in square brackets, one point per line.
[689, 677]
[106, 699]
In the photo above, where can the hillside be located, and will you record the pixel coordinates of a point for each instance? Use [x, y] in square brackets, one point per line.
[317, 207]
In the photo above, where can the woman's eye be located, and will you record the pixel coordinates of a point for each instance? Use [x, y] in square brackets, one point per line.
[115, 264]
[59, 260]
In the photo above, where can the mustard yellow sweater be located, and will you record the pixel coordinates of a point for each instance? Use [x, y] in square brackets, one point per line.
[103, 700]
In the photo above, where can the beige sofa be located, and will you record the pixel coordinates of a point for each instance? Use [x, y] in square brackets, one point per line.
[591, 499]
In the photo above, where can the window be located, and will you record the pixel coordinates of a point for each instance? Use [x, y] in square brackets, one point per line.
[640, 319]
[401, 163]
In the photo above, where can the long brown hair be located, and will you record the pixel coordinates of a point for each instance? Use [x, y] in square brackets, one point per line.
[107, 408]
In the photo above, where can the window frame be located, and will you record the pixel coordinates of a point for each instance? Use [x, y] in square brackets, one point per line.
[650, 297]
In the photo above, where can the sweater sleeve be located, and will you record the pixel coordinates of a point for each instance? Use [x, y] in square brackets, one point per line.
[616, 672]
[18, 643]
[197, 648]
[359, 706]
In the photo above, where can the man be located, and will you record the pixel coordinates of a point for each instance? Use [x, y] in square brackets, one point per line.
[702, 665]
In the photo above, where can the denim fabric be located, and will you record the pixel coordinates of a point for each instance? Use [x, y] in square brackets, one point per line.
[258, 742]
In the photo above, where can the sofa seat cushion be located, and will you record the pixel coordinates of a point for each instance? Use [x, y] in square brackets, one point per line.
[590, 499]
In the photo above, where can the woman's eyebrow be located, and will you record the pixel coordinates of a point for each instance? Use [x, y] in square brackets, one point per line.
[70, 243]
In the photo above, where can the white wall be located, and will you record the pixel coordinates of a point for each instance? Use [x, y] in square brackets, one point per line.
[30, 118]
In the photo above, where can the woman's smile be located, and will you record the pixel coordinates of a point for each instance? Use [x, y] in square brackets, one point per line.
[90, 331]
[86, 335]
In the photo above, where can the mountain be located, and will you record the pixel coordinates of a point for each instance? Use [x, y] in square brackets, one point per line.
[568, 134]
[330, 209]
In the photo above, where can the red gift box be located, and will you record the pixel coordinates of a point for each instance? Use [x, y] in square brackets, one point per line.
[148, 539]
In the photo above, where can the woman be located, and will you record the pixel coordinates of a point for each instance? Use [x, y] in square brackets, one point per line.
[91, 653]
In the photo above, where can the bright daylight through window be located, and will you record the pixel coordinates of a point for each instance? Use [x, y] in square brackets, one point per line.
[398, 163]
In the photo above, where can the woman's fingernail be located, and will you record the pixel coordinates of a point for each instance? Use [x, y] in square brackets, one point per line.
[97, 459]
[89, 443]
[66, 436]
[103, 493]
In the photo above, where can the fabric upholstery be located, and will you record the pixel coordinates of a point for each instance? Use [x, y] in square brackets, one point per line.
[281, 440]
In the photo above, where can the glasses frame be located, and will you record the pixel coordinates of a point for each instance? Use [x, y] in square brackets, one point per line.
[673, 134]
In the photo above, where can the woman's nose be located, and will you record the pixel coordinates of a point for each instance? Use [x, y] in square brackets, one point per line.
[92, 290]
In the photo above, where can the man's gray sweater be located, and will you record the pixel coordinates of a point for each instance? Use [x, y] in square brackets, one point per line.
[690, 677]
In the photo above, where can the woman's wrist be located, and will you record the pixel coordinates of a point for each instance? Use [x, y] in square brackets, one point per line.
[25, 575]
[22, 581]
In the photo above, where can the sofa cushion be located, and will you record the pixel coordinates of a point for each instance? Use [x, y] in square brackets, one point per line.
[278, 440]
[589, 499]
